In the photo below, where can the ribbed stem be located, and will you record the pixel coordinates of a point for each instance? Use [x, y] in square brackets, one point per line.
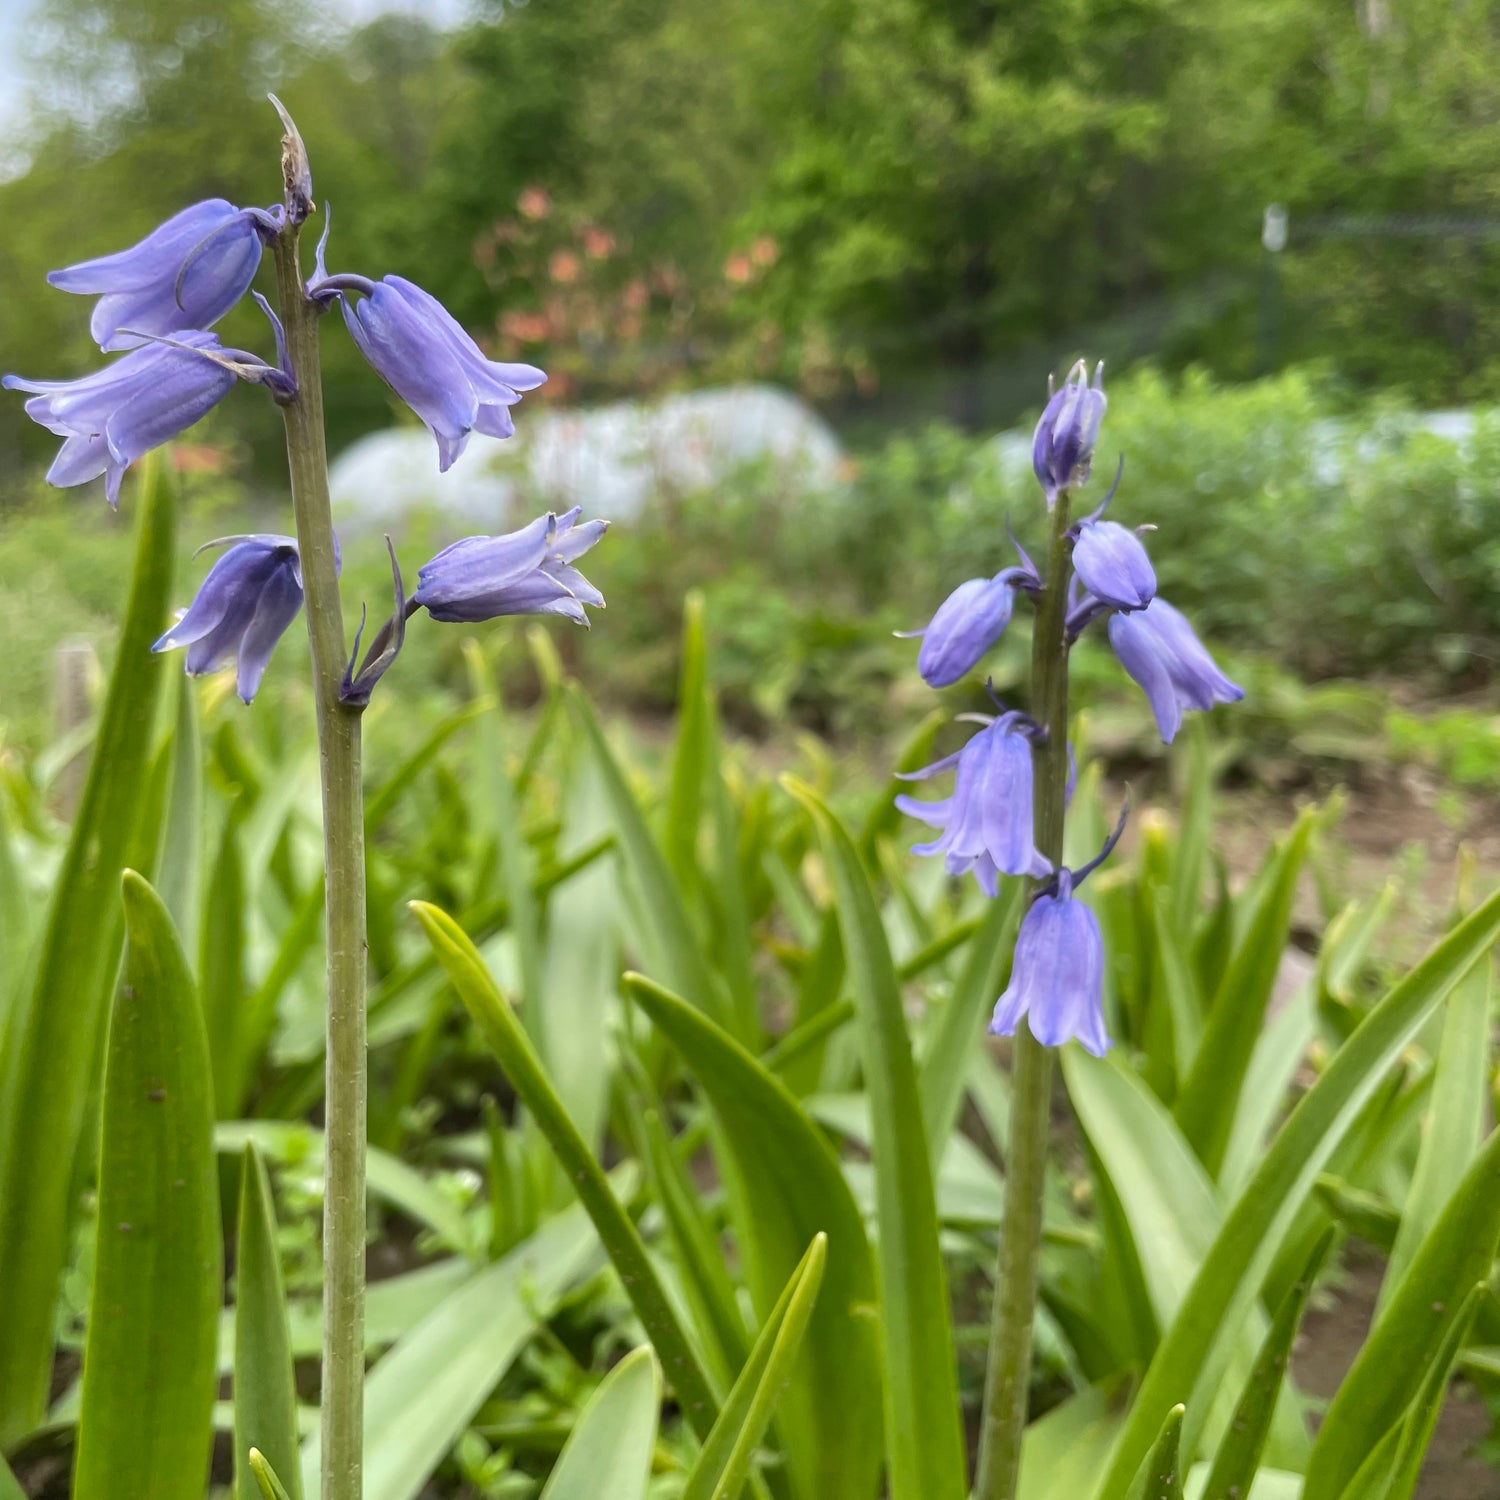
[344, 852]
[1008, 1376]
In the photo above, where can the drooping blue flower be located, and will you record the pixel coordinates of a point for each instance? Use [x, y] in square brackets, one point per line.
[526, 572]
[186, 274]
[138, 402]
[415, 345]
[967, 624]
[986, 824]
[1062, 449]
[1113, 566]
[1057, 974]
[252, 593]
[1157, 647]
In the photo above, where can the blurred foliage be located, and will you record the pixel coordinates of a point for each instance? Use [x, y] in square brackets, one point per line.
[904, 207]
[1309, 549]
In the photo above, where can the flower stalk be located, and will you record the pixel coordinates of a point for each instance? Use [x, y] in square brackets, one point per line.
[1008, 1375]
[343, 839]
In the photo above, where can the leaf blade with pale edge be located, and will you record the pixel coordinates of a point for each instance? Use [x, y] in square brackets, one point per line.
[944, 1064]
[723, 1463]
[1164, 1465]
[1456, 1123]
[780, 1168]
[1388, 1372]
[1171, 1212]
[1241, 1447]
[145, 1423]
[426, 1389]
[51, 1043]
[609, 1449]
[1210, 1095]
[1227, 1281]
[924, 1439]
[500, 1028]
[672, 933]
[265, 1392]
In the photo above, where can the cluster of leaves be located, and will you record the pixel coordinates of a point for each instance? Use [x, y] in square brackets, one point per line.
[772, 1026]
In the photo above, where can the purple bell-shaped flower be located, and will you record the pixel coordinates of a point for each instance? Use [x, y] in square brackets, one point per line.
[1057, 975]
[1062, 450]
[526, 572]
[1157, 647]
[1112, 565]
[185, 274]
[242, 609]
[986, 824]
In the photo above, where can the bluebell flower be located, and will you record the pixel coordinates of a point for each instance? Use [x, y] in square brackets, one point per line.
[526, 572]
[986, 824]
[252, 593]
[1157, 647]
[414, 344]
[109, 419]
[967, 624]
[1112, 565]
[1062, 450]
[186, 274]
[1057, 974]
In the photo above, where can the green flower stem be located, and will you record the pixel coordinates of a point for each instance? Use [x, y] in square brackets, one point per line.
[343, 841]
[1008, 1377]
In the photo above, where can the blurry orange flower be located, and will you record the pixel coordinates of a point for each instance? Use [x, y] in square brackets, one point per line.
[564, 266]
[534, 203]
[764, 251]
[737, 269]
[527, 327]
[635, 296]
[598, 243]
[197, 458]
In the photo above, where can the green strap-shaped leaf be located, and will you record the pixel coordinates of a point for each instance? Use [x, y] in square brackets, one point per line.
[221, 973]
[1245, 1439]
[671, 929]
[178, 861]
[267, 1481]
[50, 1048]
[723, 1463]
[1164, 1462]
[610, 1448]
[498, 1025]
[1171, 1212]
[265, 1392]
[1206, 1106]
[955, 1036]
[690, 755]
[1390, 1368]
[386, 1176]
[1393, 1468]
[788, 1188]
[700, 1257]
[924, 1440]
[1455, 1124]
[10, 1486]
[145, 1424]
[1229, 1278]
[425, 1390]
